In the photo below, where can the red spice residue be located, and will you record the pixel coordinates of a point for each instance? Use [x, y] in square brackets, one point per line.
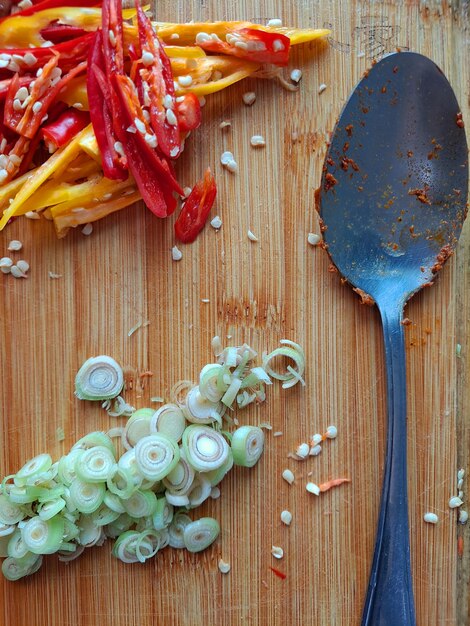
[349, 129]
[278, 573]
[421, 194]
[346, 162]
[444, 254]
[406, 321]
[330, 181]
[460, 546]
[333, 483]
[365, 298]
[459, 121]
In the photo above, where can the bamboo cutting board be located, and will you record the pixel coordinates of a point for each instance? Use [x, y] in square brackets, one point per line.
[254, 292]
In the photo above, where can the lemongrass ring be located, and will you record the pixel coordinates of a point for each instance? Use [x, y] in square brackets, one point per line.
[137, 426]
[180, 479]
[43, 536]
[96, 438]
[122, 484]
[163, 514]
[179, 391]
[208, 378]
[90, 532]
[169, 420]
[200, 491]
[38, 464]
[86, 497]
[99, 378]
[200, 410]
[175, 499]
[200, 534]
[128, 462]
[296, 355]
[204, 447]
[140, 504]
[156, 455]
[176, 529]
[95, 465]
[247, 445]
[10, 512]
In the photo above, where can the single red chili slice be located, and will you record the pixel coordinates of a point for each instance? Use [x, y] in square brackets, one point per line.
[99, 102]
[65, 127]
[74, 50]
[278, 573]
[253, 45]
[159, 77]
[24, 81]
[51, 4]
[188, 112]
[111, 20]
[196, 208]
[58, 33]
[10, 116]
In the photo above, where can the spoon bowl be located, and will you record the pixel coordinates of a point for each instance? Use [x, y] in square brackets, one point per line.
[392, 202]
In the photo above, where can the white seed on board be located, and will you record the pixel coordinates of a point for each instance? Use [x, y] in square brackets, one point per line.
[316, 439]
[32, 215]
[313, 239]
[455, 502]
[6, 264]
[249, 97]
[296, 75]
[315, 450]
[229, 162]
[16, 272]
[275, 21]
[224, 567]
[430, 518]
[321, 88]
[463, 516]
[176, 254]
[216, 222]
[331, 432]
[313, 488]
[224, 125]
[252, 236]
[257, 141]
[22, 265]
[286, 517]
[288, 476]
[303, 450]
[277, 552]
[461, 474]
[87, 229]
[14, 245]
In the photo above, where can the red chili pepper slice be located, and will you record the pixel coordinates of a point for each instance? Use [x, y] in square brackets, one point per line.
[65, 127]
[111, 20]
[58, 33]
[51, 4]
[72, 51]
[5, 85]
[159, 78]
[99, 102]
[188, 112]
[195, 209]
[253, 45]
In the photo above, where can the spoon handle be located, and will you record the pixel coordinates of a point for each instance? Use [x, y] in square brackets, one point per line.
[389, 600]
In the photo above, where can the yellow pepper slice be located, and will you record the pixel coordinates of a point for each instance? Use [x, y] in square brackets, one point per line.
[75, 93]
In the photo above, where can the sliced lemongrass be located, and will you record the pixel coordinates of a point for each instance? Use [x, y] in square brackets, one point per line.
[208, 379]
[66, 471]
[216, 475]
[14, 569]
[43, 536]
[120, 525]
[200, 491]
[86, 497]
[168, 420]
[113, 502]
[291, 351]
[163, 514]
[49, 508]
[96, 438]
[205, 448]
[37, 465]
[66, 557]
[16, 546]
[147, 545]
[125, 547]
[245, 398]
[229, 396]
[247, 445]
[25, 495]
[200, 534]
[122, 484]
[156, 455]
[176, 499]
[176, 529]
[95, 465]
[104, 515]
[10, 512]
[256, 375]
[6, 530]
[90, 532]
[200, 410]
[140, 504]
[179, 392]
[99, 378]
[181, 477]
[128, 461]
[137, 426]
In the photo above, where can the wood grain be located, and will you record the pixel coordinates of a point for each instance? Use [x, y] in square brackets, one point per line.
[259, 293]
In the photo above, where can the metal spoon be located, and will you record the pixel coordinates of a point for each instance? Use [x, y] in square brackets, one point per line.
[392, 202]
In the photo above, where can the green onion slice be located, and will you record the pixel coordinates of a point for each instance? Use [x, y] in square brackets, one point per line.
[204, 447]
[247, 445]
[125, 546]
[16, 546]
[200, 491]
[200, 534]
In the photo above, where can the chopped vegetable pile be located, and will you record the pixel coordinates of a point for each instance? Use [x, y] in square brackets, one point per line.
[138, 488]
[96, 103]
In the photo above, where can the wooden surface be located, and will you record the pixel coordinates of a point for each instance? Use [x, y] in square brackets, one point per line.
[258, 293]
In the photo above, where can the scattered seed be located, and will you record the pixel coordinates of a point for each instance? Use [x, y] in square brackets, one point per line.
[463, 516]
[147, 58]
[361, 55]
[275, 21]
[313, 488]
[6, 264]
[252, 236]
[461, 474]
[54, 275]
[430, 518]
[303, 450]
[455, 502]
[315, 450]
[278, 433]
[258, 141]
[296, 75]
[229, 162]
[119, 148]
[215, 493]
[288, 476]
[224, 567]
[87, 229]
[185, 81]
[316, 439]
[176, 254]
[205, 300]
[37, 106]
[224, 125]
[22, 265]
[249, 97]
[331, 432]
[16, 272]
[216, 222]
[321, 88]
[286, 517]
[32, 215]
[277, 552]
[313, 239]
[171, 118]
